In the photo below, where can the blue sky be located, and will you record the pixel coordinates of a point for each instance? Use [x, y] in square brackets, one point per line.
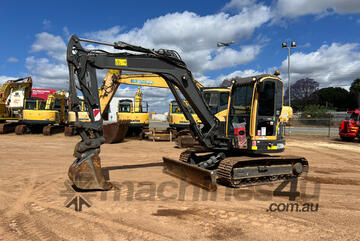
[35, 34]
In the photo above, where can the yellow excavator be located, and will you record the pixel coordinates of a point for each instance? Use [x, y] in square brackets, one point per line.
[217, 100]
[176, 118]
[136, 113]
[83, 116]
[216, 97]
[235, 154]
[12, 95]
[48, 116]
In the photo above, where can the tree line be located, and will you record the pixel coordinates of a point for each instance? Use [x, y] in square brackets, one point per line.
[305, 94]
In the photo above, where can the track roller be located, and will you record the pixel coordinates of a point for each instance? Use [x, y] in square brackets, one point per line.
[22, 129]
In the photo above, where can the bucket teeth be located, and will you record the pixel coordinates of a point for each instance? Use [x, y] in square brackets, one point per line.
[87, 174]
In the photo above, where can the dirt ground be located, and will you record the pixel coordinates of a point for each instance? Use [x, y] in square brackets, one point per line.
[149, 205]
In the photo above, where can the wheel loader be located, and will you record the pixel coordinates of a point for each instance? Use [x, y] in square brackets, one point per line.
[240, 151]
[12, 95]
[48, 117]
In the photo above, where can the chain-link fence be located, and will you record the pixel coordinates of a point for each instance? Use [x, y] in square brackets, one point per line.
[319, 124]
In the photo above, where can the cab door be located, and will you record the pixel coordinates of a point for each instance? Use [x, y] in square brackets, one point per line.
[269, 105]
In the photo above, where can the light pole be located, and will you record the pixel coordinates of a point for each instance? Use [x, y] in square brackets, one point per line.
[285, 46]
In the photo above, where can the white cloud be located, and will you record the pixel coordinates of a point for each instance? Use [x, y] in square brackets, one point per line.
[329, 65]
[4, 78]
[53, 45]
[195, 37]
[296, 8]
[192, 35]
[12, 60]
[239, 73]
[207, 81]
[46, 74]
[239, 4]
[227, 57]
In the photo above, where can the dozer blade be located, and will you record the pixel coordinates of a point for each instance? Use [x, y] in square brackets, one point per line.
[86, 174]
[195, 175]
[115, 132]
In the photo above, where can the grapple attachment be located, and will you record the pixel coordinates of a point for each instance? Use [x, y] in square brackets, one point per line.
[190, 173]
[86, 173]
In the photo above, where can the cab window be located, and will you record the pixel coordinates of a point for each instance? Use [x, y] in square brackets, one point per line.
[124, 107]
[30, 105]
[267, 100]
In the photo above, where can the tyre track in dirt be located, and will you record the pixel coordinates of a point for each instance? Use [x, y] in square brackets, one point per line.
[36, 220]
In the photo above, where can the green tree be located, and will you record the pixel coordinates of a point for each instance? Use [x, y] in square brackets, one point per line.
[355, 93]
[333, 97]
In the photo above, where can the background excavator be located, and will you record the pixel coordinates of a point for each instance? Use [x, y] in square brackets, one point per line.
[234, 152]
[136, 112]
[217, 100]
[12, 95]
[215, 97]
[48, 116]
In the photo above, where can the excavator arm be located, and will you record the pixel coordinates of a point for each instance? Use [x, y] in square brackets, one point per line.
[167, 64]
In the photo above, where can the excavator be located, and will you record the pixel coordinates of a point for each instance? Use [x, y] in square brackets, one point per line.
[12, 95]
[48, 116]
[216, 98]
[234, 152]
[136, 113]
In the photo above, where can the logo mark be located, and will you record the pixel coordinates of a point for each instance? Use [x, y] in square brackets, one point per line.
[121, 62]
[75, 199]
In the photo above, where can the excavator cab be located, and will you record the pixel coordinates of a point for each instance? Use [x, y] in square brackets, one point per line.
[254, 112]
[216, 98]
[34, 104]
[136, 113]
[177, 120]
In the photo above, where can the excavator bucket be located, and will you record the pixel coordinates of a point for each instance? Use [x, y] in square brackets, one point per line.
[195, 175]
[86, 174]
[115, 132]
